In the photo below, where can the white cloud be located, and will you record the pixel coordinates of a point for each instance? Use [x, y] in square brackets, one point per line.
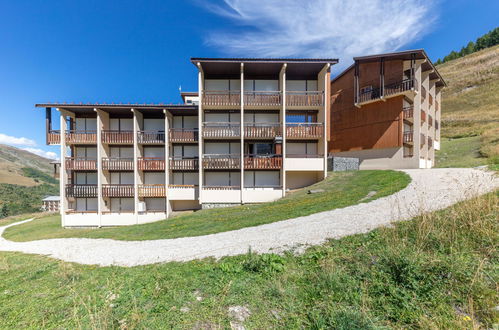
[321, 28]
[17, 141]
[42, 153]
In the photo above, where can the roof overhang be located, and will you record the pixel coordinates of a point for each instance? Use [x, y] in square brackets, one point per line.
[122, 109]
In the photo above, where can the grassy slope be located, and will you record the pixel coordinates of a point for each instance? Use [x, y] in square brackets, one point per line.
[12, 160]
[462, 152]
[437, 272]
[341, 189]
[470, 105]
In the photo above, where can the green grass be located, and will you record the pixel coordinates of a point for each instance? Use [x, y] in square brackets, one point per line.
[460, 152]
[38, 175]
[16, 199]
[436, 272]
[340, 190]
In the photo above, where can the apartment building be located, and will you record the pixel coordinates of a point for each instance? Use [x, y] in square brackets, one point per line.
[385, 110]
[255, 129]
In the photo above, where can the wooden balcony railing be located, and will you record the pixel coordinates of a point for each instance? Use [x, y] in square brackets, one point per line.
[151, 164]
[117, 137]
[117, 164]
[408, 137]
[304, 98]
[304, 156]
[184, 135]
[182, 186]
[220, 162]
[408, 112]
[399, 87]
[262, 162]
[304, 130]
[184, 164]
[53, 137]
[221, 98]
[81, 190]
[151, 137]
[84, 137]
[221, 187]
[118, 190]
[423, 117]
[262, 98]
[423, 93]
[262, 130]
[152, 190]
[221, 130]
[81, 164]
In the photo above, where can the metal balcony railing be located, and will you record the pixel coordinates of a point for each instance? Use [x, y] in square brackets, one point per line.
[262, 130]
[151, 137]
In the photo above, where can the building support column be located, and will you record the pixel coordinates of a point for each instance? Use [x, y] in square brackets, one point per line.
[324, 78]
[136, 127]
[356, 84]
[168, 208]
[200, 131]
[63, 178]
[241, 128]
[382, 78]
[282, 78]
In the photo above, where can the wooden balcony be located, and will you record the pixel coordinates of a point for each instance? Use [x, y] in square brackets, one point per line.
[304, 98]
[151, 164]
[117, 137]
[213, 130]
[221, 98]
[437, 105]
[408, 137]
[221, 162]
[81, 137]
[184, 135]
[221, 187]
[304, 131]
[81, 164]
[150, 137]
[152, 190]
[262, 98]
[262, 162]
[408, 113]
[117, 164]
[118, 190]
[430, 99]
[423, 94]
[390, 90]
[399, 87]
[54, 137]
[262, 130]
[81, 190]
[184, 164]
[304, 156]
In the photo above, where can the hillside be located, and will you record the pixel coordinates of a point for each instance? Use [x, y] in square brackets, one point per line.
[470, 108]
[13, 160]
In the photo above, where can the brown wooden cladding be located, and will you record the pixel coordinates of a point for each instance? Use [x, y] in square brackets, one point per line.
[81, 190]
[54, 137]
[81, 164]
[117, 164]
[151, 164]
[252, 162]
[118, 190]
[117, 137]
[152, 190]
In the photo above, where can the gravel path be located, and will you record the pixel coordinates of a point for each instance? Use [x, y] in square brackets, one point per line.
[429, 190]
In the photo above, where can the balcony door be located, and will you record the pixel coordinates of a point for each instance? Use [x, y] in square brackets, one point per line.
[260, 149]
[121, 124]
[85, 152]
[301, 117]
[154, 125]
[86, 124]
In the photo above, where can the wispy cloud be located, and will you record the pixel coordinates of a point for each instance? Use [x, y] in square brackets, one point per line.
[42, 153]
[320, 28]
[16, 141]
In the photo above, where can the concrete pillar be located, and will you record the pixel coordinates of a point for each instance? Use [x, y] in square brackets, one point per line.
[167, 161]
[324, 84]
[241, 127]
[138, 119]
[200, 131]
[63, 178]
[282, 79]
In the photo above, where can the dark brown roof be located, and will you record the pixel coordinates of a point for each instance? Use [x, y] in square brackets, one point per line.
[119, 108]
[195, 60]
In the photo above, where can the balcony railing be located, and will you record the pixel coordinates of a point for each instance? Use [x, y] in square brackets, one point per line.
[423, 93]
[117, 164]
[437, 105]
[304, 130]
[117, 137]
[262, 98]
[221, 187]
[262, 162]
[437, 125]
[182, 186]
[215, 130]
[430, 99]
[219, 162]
[408, 137]
[118, 190]
[184, 135]
[262, 130]
[84, 137]
[304, 98]
[375, 93]
[399, 87]
[81, 164]
[184, 164]
[54, 137]
[408, 112]
[304, 156]
[152, 190]
[81, 190]
[151, 164]
[222, 98]
[430, 120]
[430, 142]
[151, 137]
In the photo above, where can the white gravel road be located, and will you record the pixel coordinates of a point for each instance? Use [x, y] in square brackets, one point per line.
[430, 190]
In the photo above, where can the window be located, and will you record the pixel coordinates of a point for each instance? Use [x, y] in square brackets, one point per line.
[260, 148]
[301, 117]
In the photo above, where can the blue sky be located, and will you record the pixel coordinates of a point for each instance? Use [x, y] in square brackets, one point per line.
[138, 51]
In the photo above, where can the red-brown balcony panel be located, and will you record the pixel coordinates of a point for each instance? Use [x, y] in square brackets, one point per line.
[408, 137]
[262, 98]
[152, 190]
[151, 137]
[118, 190]
[304, 98]
[81, 190]
[214, 130]
[151, 164]
[430, 120]
[182, 186]
[408, 112]
[81, 137]
[262, 130]
[184, 164]
[221, 98]
[117, 137]
[221, 162]
[423, 93]
[437, 105]
[54, 137]
[81, 164]
[423, 117]
[304, 131]
[117, 164]
[262, 162]
[184, 135]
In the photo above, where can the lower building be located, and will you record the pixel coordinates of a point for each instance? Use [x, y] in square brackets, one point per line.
[51, 204]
